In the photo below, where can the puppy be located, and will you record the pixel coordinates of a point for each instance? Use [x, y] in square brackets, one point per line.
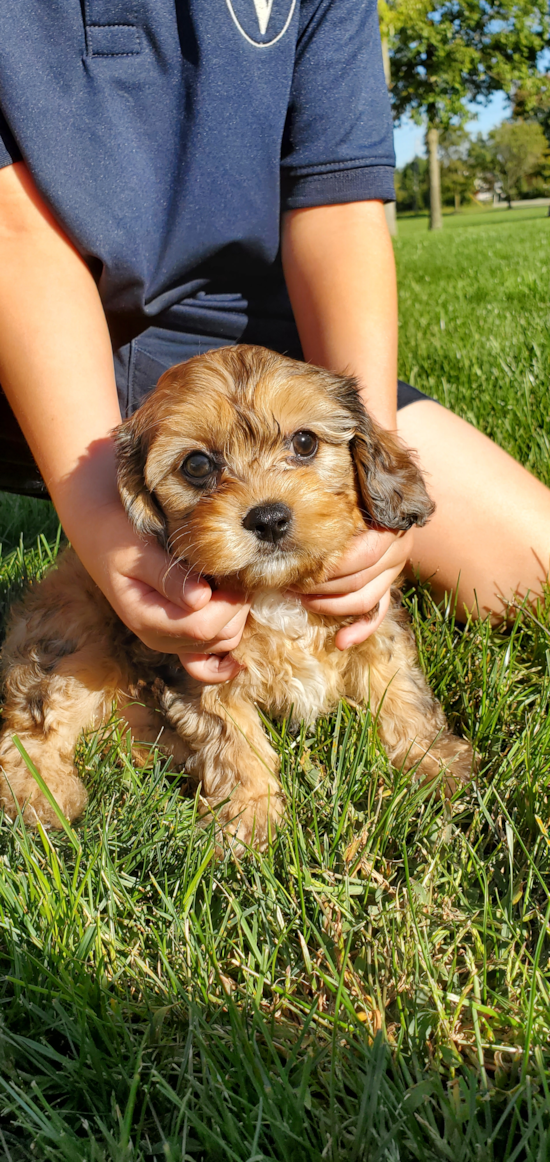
[256, 471]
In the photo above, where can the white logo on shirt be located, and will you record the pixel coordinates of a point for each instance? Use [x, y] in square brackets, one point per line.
[262, 22]
[263, 12]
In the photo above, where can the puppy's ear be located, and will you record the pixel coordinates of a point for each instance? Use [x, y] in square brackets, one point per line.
[391, 485]
[132, 440]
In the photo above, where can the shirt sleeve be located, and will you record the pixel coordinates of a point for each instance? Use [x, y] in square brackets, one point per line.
[9, 151]
[338, 140]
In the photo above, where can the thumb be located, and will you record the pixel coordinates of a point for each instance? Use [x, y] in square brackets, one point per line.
[210, 668]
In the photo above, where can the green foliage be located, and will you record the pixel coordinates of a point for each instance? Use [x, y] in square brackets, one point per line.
[520, 150]
[412, 188]
[376, 987]
[482, 160]
[513, 159]
[462, 50]
[536, 106]
[458, 175]
[457, 52]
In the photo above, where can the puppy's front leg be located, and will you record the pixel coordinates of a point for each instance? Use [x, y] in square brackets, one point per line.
[385, 672]
[231, 758]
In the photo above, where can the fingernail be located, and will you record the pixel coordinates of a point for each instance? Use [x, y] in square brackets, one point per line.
[196, 596]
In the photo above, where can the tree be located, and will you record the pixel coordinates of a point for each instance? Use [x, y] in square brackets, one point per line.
[390, 208]
[446, 54]
[537, 106]
[457, 173]
[483, 164]
[520, 149]
[412, 187]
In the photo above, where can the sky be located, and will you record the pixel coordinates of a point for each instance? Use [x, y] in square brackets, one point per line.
[409, 138]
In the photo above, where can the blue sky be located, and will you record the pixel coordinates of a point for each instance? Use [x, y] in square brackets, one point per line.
[409, 138]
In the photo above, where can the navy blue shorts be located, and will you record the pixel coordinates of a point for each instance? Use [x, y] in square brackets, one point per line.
[140, 363]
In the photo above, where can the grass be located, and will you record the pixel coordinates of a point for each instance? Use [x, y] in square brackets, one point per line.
[376, 987]
[474, 333]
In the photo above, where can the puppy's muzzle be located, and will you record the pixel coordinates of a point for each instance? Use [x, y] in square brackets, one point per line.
[269, 522]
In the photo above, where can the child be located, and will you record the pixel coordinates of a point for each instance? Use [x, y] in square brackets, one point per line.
[146, 160]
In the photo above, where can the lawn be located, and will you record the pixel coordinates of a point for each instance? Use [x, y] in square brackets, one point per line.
[376, 987]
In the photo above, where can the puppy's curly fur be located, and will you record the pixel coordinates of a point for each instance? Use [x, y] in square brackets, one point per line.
[256, 471]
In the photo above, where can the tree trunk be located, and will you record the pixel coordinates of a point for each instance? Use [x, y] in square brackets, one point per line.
[436, 220]
[391, 217]
[415, 185]
[457, 203]
[389, 208]
[386, 60]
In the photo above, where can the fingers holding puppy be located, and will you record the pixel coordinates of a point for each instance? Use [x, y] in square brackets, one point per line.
[370, 554]
[215, 628]
[168, 607]
[361, 583]
[368, 605]
[210, 668]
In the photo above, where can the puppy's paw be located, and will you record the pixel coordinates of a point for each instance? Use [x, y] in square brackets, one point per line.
[452, 757]
[18, 788]
[245, 822]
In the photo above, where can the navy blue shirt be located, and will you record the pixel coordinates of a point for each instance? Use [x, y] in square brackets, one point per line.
[167, 135]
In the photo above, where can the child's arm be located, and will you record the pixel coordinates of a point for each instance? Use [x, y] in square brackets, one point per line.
[340, 273]
[56, 368]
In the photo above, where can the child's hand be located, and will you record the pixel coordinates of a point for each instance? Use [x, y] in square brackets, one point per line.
[168, 608]
[361, 582]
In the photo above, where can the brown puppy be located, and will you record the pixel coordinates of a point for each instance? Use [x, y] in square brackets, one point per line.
[254, 470]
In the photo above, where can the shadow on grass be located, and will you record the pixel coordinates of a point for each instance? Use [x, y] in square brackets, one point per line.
[25, 518]
[193, 1081]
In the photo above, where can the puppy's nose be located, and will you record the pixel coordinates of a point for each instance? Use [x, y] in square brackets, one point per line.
[268, 522]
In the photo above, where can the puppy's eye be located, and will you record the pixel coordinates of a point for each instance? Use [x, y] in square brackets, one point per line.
[197, 466]
[304, 444]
